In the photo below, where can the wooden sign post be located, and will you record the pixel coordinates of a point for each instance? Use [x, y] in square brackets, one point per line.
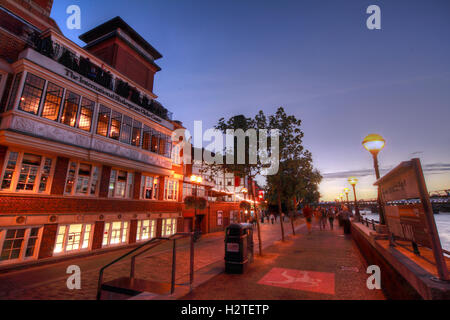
[413, 222]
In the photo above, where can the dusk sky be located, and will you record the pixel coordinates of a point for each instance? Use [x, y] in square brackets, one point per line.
[315, 58]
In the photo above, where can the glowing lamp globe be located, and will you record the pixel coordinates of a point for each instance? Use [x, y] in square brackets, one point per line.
[352, 180]
[374, 143]
[346, 190]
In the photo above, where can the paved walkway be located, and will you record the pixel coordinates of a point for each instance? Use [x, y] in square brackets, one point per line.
[48, 282]
[320, 265]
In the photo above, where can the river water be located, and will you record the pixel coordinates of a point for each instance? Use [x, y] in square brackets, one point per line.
[442, 223]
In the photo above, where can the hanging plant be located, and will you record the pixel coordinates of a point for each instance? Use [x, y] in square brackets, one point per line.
[192, 203]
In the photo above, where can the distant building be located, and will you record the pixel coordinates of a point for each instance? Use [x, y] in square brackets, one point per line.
[86, 156]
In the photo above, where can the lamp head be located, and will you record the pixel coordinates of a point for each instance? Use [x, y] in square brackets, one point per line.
[346, 190]
[352, 180]
[374, 143]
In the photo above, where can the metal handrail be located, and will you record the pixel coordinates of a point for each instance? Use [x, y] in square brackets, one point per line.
[371, 221]
[183, 234]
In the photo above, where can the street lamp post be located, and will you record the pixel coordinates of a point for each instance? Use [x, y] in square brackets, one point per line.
[347, 190]
[245, 191]
[374, 143]
[353, 181]
[196, 180]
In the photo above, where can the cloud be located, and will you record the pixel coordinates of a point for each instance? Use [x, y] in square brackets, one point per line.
[432, 168]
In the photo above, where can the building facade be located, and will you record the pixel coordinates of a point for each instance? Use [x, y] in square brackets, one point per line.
[86, 154]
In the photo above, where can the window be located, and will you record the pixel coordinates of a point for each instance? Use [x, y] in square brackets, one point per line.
[121, 184]
[176, 157]
[127, 125]
[84, 177]
[32, 94]
[171, 189]
[70, 110]
[115, 233]
[26, 172]
[72, 238]
[154, 142]
[149, 187]
[136, 134]
[146, 229]
[146, 138]
[15, 87]
[18, 243]
[86, 112]
[169, 227]
[116, 120]
[219, 218]
[52, 103]
[103, 120]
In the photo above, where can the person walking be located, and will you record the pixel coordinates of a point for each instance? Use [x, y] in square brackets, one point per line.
[331, 216]
[345, 214]
[307, 213]
[272, 218]
[323, 218]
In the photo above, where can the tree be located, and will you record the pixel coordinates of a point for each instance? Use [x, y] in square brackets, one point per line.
[296, 180]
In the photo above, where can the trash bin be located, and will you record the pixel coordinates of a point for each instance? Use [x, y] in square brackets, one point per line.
[238, 247]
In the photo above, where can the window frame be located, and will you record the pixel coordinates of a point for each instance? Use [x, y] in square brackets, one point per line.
[140, 226]
[75, 179]
[128, 192]
[22, 86]
[121, 242]
[167, 182]
[22, 256]
[155, 190]
[164, 227]
[66, 234]
[16, 174]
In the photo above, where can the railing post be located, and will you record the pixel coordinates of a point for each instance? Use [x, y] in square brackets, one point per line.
[132, 268]
[373, 225]
[191, 275]
[174, 262]
[99, 287]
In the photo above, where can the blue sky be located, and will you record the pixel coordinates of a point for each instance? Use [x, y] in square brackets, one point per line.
[315, 58]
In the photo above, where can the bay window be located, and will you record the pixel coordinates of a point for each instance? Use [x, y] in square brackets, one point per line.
[169, 227]
[70, 109]
[149, 187]
[115, 233]
[136, 134]
[26, 172]
[19, 243]
[73, 237]
[146, 229]
[52, 102]
[146, 138]
[31, 94]
[82, 179]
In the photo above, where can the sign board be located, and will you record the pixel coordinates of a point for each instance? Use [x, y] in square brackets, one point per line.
[415, 221]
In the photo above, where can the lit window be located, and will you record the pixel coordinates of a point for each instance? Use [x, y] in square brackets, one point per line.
[136, 134]
[115, 233]
[103, 120]
[85, 178]
[116, 120]
[31, 94]
[52, 103]
[26, 172]
[72, 238]
[155, 141]
[19, 244]
[176, 157]
[15, 87]
[127, 125]
[171, 189]
[146, 229]
[169, 227]
[86, 112]
[70, 110]
[121, 184]
[146, 138]
[219, 218]
[149, 187]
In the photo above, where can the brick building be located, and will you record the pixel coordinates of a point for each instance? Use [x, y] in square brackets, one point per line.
[87, 162]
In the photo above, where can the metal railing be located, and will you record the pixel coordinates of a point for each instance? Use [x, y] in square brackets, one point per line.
[156, 242]
[369, 222]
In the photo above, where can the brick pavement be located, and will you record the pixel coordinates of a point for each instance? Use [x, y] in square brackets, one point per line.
[323, 265]
[48, 282]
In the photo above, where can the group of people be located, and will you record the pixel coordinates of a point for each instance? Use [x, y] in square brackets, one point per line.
[322, 214]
